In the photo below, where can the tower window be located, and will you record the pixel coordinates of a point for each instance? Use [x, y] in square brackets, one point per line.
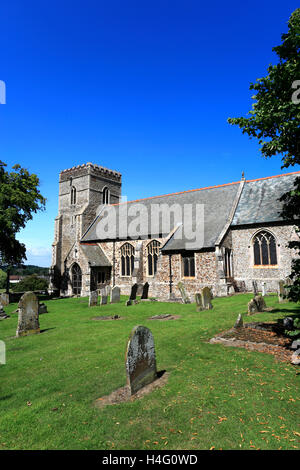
[73, 195]
[264, 249]
[105, 196]
[152, 257]
[188, 264]
[127, 259]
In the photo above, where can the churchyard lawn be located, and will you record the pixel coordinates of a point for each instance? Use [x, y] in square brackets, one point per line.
[216, 397]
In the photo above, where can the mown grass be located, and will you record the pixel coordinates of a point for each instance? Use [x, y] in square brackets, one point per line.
[216, 397]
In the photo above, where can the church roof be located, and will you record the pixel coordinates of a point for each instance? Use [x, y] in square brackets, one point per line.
[95, 255]
[259, 200]
[223, 205]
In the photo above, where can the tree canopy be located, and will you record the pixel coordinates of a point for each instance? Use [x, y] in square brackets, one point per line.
[275, 121]
[20, 198]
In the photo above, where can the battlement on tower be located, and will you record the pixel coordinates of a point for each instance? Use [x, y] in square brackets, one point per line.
[89, 169]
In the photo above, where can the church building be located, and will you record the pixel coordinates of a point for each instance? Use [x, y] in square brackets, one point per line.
[223, 237]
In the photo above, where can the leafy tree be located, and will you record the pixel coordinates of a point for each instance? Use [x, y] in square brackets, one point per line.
[31, 283]
[19, 199]
[3, 277]
[275, 121]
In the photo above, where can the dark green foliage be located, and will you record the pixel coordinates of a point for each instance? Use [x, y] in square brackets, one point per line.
[3, 277]
[275, 121]
[19, 199]
[30, 283]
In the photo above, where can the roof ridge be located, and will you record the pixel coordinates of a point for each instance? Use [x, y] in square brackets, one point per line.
[202, 189]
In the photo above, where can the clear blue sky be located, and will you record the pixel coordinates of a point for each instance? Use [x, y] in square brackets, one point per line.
[141, 87]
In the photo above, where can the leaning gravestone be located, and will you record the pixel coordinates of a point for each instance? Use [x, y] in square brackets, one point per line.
[145, 291]
[93, 298]
[239, 322]
[42, 308]
[28, 321]
[261, 304]
[133, 292]
[140, 359]
[252, 307]
[103, 300]
[282, 292]
[199, 304]
[206, 297]
[115, 295]
[139, 289]
[183, 293]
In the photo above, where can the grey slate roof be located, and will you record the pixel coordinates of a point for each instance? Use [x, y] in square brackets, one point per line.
[95, 255]
[217, 201]
[259, 200]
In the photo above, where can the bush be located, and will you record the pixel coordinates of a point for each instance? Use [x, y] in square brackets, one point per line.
[3, 277]
[30, 283]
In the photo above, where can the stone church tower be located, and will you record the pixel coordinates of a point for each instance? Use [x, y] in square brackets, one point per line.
[83, 190]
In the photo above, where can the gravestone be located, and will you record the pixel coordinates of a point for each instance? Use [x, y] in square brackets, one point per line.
[103, 300]
[42, 308]
[261, 304]
[254, 285]
[206, 297]
[183, 293]
[133, 292]
[145, 291]
[140, 359]
[115, 295]
[28, 320]
[128, 303]
[93, 298]
[252, 307]
[199, 304]
[3, 315]
[4, 299]
[282, 292]
[263, 288]
[239, 322]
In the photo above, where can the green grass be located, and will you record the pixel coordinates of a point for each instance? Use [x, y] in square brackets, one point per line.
[216, 396]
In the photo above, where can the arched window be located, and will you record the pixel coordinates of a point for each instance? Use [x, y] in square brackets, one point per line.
[105, 196]
[73, 195]
[76, 279]
[152, 257]
[127, 259]
[264, 249]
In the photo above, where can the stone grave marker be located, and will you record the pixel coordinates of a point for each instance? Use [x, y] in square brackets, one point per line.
[239, 322]
[198, 299]
[115, 295]
[42, 308]
[133, 292]
[93, 298]
[261, 304]
[254, 285]
[139, 290]
[183, 293]
[206, 297]
[140, 359]
[252, 307]
[145, 291]
[263, 288]
[28, 320]
[4, 299]
[103, 300]
[282, 292]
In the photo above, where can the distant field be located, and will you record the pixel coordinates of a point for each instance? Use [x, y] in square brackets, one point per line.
[216, 397]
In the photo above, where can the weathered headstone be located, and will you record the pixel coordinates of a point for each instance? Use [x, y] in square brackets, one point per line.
[261, 304]
[239, 322]
[199, 304]
[28, 320]
[288, 323]
[133, 292]
[42, 308]
[206, 297]
[252, 307]
[103, 300]
[282, 292]
[140, 359]
[255, 290]
[4, 299]
[263, 288]
[93, 298]
[295, 359]
[139, 289]
[145, 291]
[115, 295]
[183, 293]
